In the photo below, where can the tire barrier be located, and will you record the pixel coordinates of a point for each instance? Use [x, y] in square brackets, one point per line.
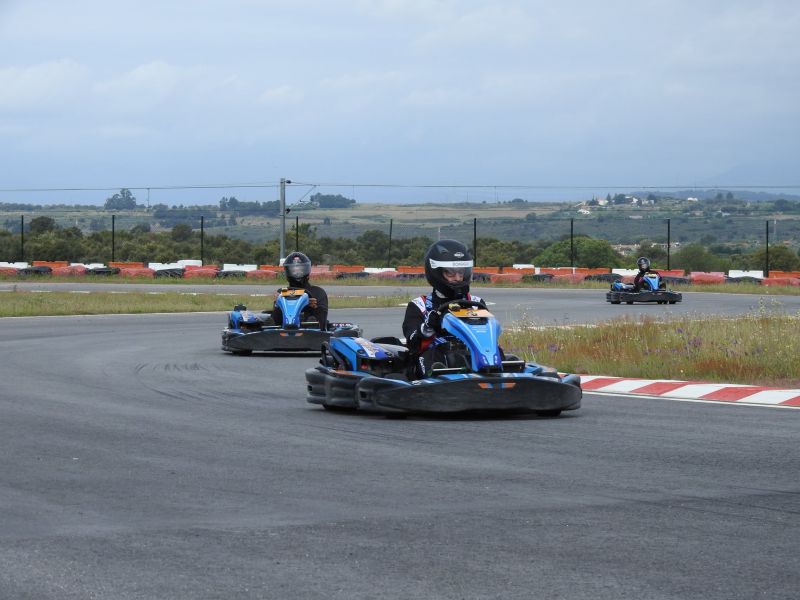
[191, 269]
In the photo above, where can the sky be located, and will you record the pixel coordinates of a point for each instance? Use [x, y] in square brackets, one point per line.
[385, 100]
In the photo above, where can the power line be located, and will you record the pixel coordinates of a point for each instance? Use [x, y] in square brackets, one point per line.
[409, 186]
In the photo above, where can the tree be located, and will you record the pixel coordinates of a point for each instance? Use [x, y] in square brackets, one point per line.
[140, 228]
[589, 253]
[42, 225]
[331, 201]
[694, 257]
[656, 254]
[182, 232]
[781, 258]
[122, 200]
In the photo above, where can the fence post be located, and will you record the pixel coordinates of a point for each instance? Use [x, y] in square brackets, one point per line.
[572, 243]
[669, 244]
[475, 241]
[113, 236]
[389, 254]
[297, 233]
[202, 238]
[22, 238]
[766, 255]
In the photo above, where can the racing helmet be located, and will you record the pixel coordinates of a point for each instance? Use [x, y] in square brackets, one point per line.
[444, 261]
[644, 263]
[297, 267]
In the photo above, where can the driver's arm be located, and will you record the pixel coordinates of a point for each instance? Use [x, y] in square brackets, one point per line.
[413, 323]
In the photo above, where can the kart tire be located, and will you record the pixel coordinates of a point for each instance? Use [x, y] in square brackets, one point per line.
[629, 302]
[338, 409]
[549, 413]
[615, 302]
[672, 301]
[241, 352]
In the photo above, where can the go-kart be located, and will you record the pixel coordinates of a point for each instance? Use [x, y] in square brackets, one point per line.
[653, 290]
[249, 331]
[376, 375]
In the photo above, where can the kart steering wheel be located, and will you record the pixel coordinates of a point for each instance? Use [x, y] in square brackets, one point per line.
[462, 303]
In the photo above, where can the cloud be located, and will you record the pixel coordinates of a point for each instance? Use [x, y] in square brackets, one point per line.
[283, 95]
[45, 86]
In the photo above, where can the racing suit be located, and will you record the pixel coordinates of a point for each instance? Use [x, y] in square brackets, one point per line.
[320, 313]
[424, 344]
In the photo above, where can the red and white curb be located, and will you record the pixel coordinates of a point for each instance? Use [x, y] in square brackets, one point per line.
[686, 390]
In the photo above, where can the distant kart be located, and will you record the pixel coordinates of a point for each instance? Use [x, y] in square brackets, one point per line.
[375, 375]
[653, 290]
[249, 332]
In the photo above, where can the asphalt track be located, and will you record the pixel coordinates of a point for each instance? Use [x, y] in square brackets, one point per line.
[139, 461]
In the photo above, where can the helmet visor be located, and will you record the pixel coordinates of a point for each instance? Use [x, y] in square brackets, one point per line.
[297, 271]
[453, 274]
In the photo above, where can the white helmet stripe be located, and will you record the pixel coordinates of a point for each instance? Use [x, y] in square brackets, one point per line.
[450, 264]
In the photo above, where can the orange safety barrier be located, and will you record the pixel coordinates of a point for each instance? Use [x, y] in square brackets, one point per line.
[136, 272]
[410, 269]
[50, 263]
[672, 272]
[487, 270]
[523, 270]
[570, 277]
[196, 272]
[506, 277]
[792, 274]
[8, 271]
[348, 268]
[261, 274]
[592, 270]
[270, 268]
[134, 265]
[713, 277]
[556, 270]
[70, 271]
[780, 280]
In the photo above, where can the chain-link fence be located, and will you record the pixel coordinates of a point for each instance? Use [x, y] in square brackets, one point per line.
[195, 230]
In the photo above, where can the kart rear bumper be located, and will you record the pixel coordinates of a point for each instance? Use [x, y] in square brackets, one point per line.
[275, 340]
[448, 394]
[659, 297]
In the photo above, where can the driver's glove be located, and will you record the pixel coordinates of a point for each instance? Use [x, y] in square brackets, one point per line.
[432, 324]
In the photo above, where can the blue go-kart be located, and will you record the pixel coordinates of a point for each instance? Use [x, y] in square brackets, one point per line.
[249, 331]
[375, 376]
[653, 290]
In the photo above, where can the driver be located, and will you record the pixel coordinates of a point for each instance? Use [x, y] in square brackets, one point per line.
[644, 268]
[448, 268]
[297, 268]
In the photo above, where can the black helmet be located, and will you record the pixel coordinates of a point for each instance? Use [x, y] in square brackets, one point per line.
[643, 262]
[297, 267]
[448, 255]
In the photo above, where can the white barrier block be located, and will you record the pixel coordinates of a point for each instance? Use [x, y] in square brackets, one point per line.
[756, 274]
[229, 267]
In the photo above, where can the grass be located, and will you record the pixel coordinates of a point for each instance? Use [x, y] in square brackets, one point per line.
[757, 349]
[731, 288]
[25, 303]
[760, 348]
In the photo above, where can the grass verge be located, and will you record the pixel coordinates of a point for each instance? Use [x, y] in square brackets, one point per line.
[760, 348]
[27, 304]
